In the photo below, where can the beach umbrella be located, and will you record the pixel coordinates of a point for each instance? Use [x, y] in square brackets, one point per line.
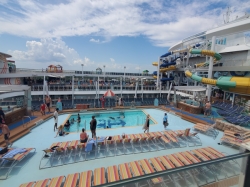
[109, 93]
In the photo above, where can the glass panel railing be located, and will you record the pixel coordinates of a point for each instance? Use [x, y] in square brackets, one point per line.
[227, 171]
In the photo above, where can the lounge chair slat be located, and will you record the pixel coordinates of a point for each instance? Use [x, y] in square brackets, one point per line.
[99, 176]
[56, 182]
[85, 179]
[113, 174]
[71, 180]
[125, 171]
[42, 183]
[28, 184]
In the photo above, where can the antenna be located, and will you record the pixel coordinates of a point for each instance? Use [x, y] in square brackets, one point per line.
[227, 16]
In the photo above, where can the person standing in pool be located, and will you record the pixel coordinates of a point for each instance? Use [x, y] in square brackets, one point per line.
[93, 126]
[102, 101]
[146, 125]
[56, 118]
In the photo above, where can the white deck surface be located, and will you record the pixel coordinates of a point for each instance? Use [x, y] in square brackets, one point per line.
[42, 137]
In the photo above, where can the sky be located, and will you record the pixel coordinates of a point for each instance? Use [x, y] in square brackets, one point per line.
[98, 33]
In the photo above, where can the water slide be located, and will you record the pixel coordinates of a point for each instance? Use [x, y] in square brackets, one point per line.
[239, 85]
[234, 84]
[216, 56]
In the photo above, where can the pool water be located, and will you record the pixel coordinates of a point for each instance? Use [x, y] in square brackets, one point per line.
[111, 119]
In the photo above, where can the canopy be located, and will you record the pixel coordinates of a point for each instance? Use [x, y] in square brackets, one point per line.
[145, 71]
[109, 93]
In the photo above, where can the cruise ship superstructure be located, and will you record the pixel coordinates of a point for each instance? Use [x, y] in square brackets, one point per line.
[228, 46]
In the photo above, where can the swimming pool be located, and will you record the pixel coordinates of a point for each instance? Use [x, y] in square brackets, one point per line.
[110, 119]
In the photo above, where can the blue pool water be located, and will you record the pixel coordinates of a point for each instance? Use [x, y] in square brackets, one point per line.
[110, 119]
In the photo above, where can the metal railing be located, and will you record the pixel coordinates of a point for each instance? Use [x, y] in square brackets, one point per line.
[146, 177]
[93, 88]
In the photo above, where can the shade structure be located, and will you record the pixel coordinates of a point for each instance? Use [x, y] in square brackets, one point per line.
[145, 71]
[109, 93]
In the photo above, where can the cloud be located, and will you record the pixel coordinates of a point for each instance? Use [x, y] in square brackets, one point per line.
[45, 51]
[112, 60]
[162, 22]
[95, 41]
[42, 53]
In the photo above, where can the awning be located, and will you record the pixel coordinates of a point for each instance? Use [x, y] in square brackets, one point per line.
[191, 88]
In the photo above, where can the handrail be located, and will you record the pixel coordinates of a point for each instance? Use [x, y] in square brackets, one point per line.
[134, 180]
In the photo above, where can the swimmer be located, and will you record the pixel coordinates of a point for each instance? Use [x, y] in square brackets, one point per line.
[111, 118]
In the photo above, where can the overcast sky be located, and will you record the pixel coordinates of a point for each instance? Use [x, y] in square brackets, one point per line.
[114, 33]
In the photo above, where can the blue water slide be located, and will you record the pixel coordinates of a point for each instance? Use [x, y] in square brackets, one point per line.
[167, 64]
[167, 54]
[167, 79]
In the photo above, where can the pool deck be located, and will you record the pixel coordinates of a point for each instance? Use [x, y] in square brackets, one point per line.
[42, 137]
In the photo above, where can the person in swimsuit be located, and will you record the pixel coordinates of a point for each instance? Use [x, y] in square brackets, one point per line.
[47, 101]
[83, 136]
[42, 108]
[60, 131]
[146, 125]
[6, 133]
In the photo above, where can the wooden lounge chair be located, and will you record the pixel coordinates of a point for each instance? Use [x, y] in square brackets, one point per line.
[136, 169]
[209, 154]
[99, 176]
[219, 154]
[157, 164]
[135, 143]
[200, 155]
[28, 184]
[56, 182]
[73, 145]
[14, 160]
[147, 168]
[112, 173]
[85, 179]
[42, 183]
[184, 159]
[71, 180]
[125, 172]
[170, 136]
[166, 162]
[191, 157]
[175, 160]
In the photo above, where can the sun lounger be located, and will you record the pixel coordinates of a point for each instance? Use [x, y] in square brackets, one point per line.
[71, 180]
[147, 168]
[85, 179]
[173, 139]
[209, 154]
[112, 173]
[124, 170]
[28, 184]
[166, 162]
[9, 162]
[175, 160]
[201, 127]
[99, 176]
[200, 155]
[56, 182]
[191, 157]
[219, 154]
[136, 169]
[157, 164]
[135, 143]
[42, 183]
[184, 159]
